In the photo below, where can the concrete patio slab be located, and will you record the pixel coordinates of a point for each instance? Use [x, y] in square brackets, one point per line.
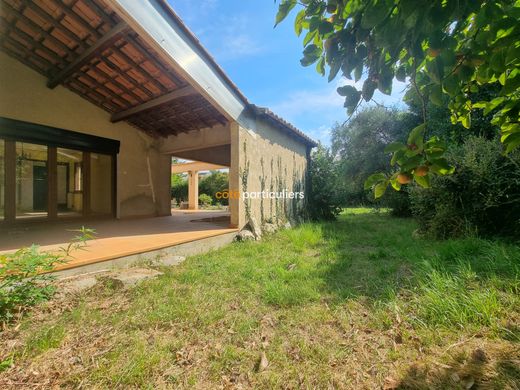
[132, 240]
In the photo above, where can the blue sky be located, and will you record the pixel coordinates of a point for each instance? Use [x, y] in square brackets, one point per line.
[264, 62]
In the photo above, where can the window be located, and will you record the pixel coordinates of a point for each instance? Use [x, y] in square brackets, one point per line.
[52, 173]
[31, 180]
[69, 194]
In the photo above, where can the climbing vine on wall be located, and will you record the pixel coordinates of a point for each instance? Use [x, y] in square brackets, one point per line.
[262, 189]
[271, 187]
[244, 175]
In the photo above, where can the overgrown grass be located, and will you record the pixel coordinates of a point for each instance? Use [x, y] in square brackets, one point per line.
[355, 303]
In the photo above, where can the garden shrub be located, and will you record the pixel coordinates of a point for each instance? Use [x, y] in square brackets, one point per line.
[179, 188]
[398, 202]
[482, 197]
[324, 198]
[216, 181]
[24, 280]
[205, 199]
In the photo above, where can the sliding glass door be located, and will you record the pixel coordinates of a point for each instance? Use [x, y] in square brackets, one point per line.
[47, 173]
[69, 172]
[31, 181]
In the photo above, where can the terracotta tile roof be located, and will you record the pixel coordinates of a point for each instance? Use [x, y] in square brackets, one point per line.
[283, 124]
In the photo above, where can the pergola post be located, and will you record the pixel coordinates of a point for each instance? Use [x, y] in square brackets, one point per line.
[193, 190]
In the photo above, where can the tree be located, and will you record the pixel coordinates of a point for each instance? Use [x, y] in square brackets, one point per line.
[179, 187]
[452, 48]
[359, 146]
[324, 198]
[205, 200]
[216, 181]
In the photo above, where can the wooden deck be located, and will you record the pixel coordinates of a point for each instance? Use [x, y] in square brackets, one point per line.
[120, 238]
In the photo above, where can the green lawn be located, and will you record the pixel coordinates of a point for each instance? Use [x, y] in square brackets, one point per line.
[357, 303]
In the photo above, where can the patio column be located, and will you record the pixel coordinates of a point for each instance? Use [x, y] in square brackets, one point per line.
[193, 190]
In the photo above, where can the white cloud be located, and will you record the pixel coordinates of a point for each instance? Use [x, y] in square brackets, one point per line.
[233, 39]
[316, 111]
[307, 101]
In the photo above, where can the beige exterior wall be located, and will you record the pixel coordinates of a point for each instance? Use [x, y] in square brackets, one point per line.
[143, 174]
[272, 161]
[263, 159]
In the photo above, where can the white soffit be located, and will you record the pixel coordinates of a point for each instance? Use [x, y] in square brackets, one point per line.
[154, 24]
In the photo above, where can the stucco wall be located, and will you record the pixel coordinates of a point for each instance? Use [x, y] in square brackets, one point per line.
[271, 161]
[143, 175]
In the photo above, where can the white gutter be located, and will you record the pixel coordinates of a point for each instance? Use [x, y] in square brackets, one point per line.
[159, 29]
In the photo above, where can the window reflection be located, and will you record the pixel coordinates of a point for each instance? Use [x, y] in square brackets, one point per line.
[31, 180]
[70, 182]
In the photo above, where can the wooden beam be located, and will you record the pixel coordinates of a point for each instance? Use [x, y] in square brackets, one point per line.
[196, 166]
[107, 39]
[178, 93]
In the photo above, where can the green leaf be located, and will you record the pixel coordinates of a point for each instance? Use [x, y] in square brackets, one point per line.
[384, 83]
[466, 121]
[450, 85]
[396, 158]
[346, 90]
[310, 55]
[423, 181]
[436, 95]
[320, 66]
[512, 142]
[441, 167]
[373, 179]
[395, 184]
[335, 66]
[400, 74]
[358, 72]
[380, 189]
[325, 28]
[416, 136]
[309, 37]
[368, 89]
[411, 163]
[283, 10]
[298, 22]
[374, 14]
[394, 147]
[512, 84]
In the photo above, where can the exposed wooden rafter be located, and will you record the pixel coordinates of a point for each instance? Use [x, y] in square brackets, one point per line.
[178, 93]
[107, 40]
[85, 46]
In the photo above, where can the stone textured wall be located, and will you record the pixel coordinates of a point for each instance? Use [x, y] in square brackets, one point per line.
[143, 175]
[272, 161]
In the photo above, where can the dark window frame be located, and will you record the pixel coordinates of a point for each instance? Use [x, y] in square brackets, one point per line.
[12, 130]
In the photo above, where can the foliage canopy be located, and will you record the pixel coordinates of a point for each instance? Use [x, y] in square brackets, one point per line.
[452, 48]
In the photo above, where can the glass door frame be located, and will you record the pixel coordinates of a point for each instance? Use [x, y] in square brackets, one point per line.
[12, 131]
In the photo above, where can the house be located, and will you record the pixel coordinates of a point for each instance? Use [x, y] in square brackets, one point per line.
[96, 96]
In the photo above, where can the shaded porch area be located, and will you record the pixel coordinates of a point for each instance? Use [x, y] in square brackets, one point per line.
[120, 238]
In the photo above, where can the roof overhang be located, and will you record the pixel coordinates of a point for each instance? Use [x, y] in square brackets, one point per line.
[87, 47]
[135, 59]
